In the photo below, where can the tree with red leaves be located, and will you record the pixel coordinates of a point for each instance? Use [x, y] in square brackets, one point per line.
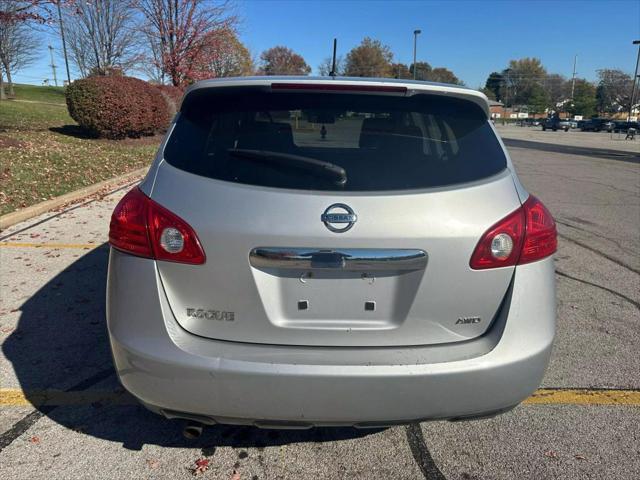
[179, 32]
[281, 60]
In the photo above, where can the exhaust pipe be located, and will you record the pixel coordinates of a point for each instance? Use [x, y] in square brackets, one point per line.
[192, 430]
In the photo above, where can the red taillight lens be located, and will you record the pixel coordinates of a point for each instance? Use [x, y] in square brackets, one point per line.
[541, 239]
[142, 227]
[525, 235]
[512, 225]
[338, 87]
[161, 220]
[128, 228]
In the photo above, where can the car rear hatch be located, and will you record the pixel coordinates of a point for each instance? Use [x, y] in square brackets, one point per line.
[334, 218]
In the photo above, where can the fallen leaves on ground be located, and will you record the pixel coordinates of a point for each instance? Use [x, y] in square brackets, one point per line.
[202, 465]
[48, 164]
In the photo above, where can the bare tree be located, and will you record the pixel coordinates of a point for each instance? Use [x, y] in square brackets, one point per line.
[18, 47]
[558, 90]
[614, 90]
[327, 64]
[179, 32]
[103, 36]
[152, 65]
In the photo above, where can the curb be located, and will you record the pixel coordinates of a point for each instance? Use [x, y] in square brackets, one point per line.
[23, 214]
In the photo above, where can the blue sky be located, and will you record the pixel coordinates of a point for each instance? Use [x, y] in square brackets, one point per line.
[472, 38]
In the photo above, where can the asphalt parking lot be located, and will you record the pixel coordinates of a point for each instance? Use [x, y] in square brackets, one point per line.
[63, 414]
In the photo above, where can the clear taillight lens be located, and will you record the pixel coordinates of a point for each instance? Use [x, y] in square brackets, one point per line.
[144, 228]
[525, 235]
[171, 240]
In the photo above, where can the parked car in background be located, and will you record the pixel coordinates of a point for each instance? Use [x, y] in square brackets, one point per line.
[609, 126]
[594, 125]
[528, 122]
[565, 124]
[573, 123]
[625, 126]
[555, 123]
[311, 251]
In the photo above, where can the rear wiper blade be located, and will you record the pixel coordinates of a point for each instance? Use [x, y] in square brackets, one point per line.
[307, 164]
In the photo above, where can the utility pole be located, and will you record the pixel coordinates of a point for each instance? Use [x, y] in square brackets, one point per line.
[635, 79]
[573, 77]
[415, 45]
[53, 66]
[64, 43]
[506, 88]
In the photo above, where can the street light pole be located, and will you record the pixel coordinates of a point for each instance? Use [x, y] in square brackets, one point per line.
[635, 78]
[64, 43]
[415, 45]
[573, 77]
[53, 66]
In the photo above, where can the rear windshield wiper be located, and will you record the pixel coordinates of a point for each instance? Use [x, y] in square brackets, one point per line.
[307, 164]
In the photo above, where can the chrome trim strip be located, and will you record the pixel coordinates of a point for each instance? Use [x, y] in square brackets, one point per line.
[348, 259]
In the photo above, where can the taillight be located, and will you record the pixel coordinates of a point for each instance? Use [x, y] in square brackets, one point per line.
[525, 235]
[541, 238]
[339, 87]
[144, 228]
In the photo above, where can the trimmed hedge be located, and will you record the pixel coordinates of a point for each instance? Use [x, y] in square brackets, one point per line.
[117, 107]
[173, 97]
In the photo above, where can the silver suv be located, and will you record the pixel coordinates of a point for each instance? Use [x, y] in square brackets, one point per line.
[310, 251]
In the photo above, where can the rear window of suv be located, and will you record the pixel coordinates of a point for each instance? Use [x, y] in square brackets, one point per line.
[333, 141]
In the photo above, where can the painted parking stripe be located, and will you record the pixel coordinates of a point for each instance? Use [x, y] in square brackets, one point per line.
[83, 246]
[578, 396]
[15, 397]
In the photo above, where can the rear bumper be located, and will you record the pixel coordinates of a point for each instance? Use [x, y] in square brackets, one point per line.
[178, 373]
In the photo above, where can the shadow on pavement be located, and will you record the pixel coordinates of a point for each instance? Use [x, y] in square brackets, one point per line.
[61, 343]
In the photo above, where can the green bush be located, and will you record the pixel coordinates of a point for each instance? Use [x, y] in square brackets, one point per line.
[117, 107]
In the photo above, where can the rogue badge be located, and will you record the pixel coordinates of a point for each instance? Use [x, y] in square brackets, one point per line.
[211, 314]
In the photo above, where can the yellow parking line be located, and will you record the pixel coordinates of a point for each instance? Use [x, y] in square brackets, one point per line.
[48, 245]
[15, 397]
[577, 396]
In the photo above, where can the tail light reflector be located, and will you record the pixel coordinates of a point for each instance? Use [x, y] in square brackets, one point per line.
[339, 87]
[524, 236]
[541, 238]
[144, 228]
